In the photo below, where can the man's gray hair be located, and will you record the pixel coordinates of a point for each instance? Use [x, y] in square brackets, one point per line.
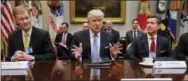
[95, 12]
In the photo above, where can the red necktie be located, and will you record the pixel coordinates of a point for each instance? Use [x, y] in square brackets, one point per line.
[153, 47]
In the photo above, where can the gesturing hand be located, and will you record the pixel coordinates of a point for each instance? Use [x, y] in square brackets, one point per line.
[77, 51]
[115, 49]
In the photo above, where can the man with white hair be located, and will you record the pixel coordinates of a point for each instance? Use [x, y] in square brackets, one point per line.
[94, 45]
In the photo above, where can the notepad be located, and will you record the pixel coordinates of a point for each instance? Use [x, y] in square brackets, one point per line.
[14, 72]
[15, 65]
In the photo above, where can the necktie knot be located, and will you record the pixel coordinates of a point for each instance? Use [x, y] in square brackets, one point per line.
[26, 34]
[152, 38]
[95, 35]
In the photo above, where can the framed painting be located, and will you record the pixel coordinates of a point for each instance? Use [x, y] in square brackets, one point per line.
[114, 10]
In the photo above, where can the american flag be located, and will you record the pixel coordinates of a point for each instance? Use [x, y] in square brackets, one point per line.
[7, 23]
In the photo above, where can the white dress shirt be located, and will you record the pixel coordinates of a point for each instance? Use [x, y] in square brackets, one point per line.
[152, 54]
[64, 35]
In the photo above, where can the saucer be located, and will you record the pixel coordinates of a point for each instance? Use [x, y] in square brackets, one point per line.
[146, 64]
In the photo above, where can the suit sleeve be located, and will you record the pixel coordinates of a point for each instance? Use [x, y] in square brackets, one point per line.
[132, 52]
[170, 52]
[69, 41]
[57, 38]
[180, 49]
[127, 37]
[118, 36]
[10, 49]
[48, 50]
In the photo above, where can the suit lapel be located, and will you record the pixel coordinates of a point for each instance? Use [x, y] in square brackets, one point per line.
[103, 42]
[138, 34]
[60, 37]
[158, 47]
[131, 34]
[86, 41]
[146, 44]
[67, 38]
[20, 41]
[32, 40]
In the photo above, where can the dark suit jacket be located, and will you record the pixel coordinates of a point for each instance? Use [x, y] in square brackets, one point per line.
[39, 42]
[182, 48]
[62, 52]
[115, 35]
[129, 35]
[83, 37]
[139, 48]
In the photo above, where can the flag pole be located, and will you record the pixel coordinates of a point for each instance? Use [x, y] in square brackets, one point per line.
[179, 17]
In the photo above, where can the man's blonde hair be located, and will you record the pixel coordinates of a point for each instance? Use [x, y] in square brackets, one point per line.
[20, 8]
[95, 12]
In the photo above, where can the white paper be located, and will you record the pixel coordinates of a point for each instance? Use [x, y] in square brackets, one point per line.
[14, 72]
[169, 71]
[15, 65]
[170, 64]
[147, 79]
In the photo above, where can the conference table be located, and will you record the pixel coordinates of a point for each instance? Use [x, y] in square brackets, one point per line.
[62, 70]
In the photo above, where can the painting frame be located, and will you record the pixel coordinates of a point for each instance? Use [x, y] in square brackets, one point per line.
[117, 20]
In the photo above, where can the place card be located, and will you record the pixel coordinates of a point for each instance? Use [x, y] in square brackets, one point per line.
[169, 71]
[170, 64]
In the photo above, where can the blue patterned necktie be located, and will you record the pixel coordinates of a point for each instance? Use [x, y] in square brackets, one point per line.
[95, 51]
[95, 55]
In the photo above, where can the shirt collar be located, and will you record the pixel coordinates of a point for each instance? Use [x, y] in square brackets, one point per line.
[92, 34]
[29, 32]
[135, 30]
[149, 37]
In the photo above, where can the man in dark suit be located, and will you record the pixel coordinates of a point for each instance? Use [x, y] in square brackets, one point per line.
[151, 44]
[63, 39]
[134, 33]
[182, 47]
[23, 44]
[114, 34]
[93, 44]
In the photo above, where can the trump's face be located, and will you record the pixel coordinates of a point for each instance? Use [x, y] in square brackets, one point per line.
[95, 23]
